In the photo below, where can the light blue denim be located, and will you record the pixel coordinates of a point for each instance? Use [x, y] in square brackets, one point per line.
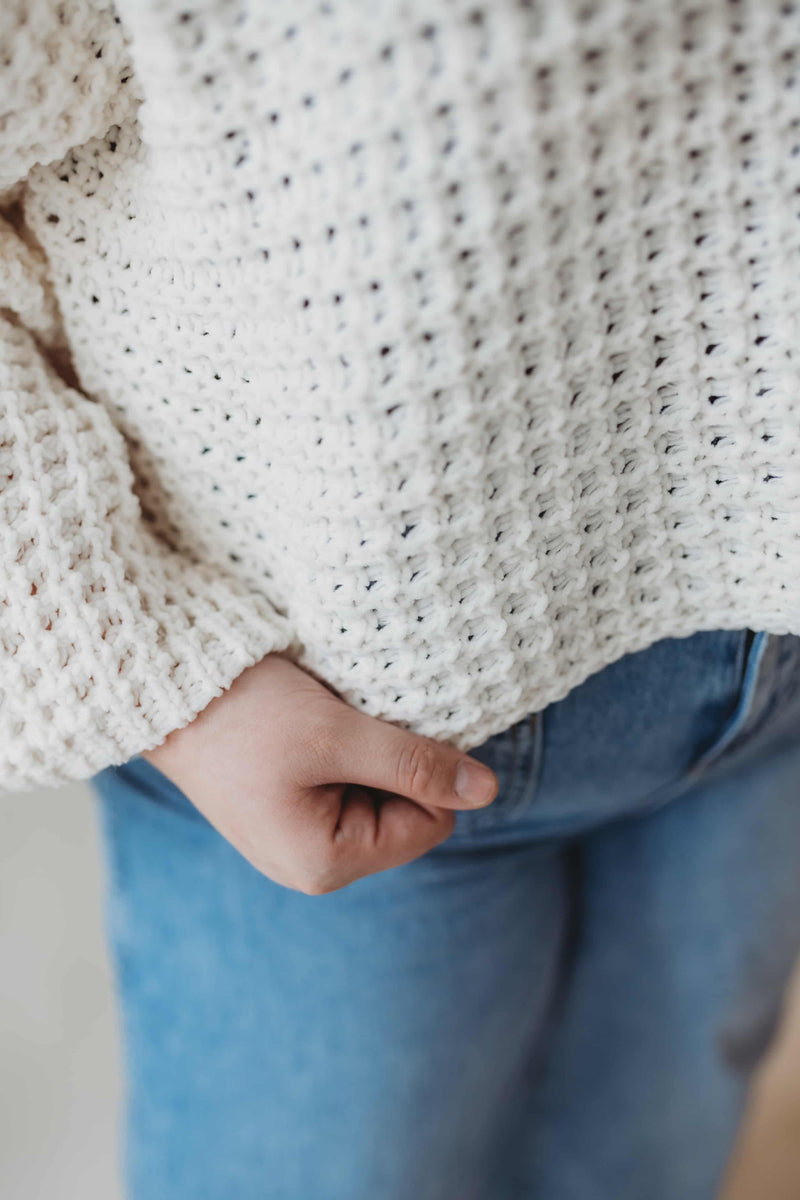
[564, 1001]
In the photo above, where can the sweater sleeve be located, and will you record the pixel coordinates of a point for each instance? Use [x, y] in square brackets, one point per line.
[109, 638]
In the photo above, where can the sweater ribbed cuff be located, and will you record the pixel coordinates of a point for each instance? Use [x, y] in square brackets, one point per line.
[130, 680]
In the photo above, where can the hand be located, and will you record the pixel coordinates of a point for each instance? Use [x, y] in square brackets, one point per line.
[312, 792]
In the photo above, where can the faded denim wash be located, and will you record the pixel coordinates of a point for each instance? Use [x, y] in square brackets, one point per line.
[564, 1001]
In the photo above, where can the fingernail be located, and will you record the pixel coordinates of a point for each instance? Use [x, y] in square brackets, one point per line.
[475, 783]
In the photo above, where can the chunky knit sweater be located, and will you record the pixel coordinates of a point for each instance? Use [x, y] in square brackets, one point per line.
[451, 348]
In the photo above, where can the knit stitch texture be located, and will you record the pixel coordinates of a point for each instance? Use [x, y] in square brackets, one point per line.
[451, 348]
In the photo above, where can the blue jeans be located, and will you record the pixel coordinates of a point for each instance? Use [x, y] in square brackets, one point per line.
[564, 1001]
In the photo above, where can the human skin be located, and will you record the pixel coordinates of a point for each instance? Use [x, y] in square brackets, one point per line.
[312, 792]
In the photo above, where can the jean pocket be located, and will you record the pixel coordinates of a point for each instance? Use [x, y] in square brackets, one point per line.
[764, 719]
[636, 730]
[514, 755]
[734, 729]
[767, 716]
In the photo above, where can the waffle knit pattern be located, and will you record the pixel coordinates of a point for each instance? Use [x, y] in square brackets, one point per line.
[451, 349]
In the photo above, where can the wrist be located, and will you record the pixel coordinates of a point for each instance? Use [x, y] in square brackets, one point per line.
[163, 755]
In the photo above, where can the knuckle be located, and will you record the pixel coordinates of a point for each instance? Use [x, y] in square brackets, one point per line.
[317, 877]
[311, 884]
[416, 768]
[447, 825]
[314, 887]
[354, 831]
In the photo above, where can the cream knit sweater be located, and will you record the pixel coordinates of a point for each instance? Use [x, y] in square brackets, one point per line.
[451, 347]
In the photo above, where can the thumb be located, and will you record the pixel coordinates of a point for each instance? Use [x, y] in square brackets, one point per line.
[377, 754]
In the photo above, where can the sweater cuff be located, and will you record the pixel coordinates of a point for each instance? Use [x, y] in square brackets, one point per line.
[144, 659]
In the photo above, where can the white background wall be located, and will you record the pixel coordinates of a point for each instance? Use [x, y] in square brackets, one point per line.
[59, 1069]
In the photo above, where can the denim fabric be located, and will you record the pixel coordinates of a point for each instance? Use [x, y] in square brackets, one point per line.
[564, 1001]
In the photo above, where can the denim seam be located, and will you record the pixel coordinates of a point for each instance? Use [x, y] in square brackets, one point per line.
[518, 778]
[742, 713]
[668, 792]
[753, 655]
